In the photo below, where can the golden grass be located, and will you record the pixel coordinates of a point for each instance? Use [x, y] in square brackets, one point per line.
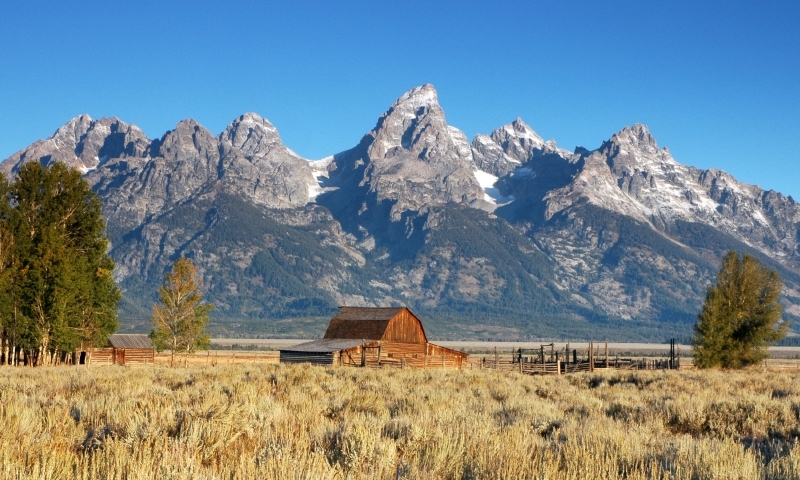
[217, 357]
[294, 421]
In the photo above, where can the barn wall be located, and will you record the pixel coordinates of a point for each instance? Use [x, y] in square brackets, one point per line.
[424, 355]
[439, 350]
[404, 327]
[100, 356]
[350, 357]
[120, 356]
[133, 357]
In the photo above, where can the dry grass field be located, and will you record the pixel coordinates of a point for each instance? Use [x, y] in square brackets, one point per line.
[214, 358]
[278, 421]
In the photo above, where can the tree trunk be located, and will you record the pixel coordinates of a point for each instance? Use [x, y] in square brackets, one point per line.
[42, 356]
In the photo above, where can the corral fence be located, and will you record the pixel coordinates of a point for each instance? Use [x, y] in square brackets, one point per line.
[547, 360]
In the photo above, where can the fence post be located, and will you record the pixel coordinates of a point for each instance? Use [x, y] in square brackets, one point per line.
[363, 354]
[606, 354]
[558, 367]
[496, 360]
[591, 357]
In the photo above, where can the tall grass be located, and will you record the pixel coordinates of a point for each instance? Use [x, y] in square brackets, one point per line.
[294, 421]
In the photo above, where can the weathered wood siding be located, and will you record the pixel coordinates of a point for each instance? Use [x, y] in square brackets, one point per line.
[100, 357]
[121, 356]
[399, 354]
[135, 357]
[405, 327]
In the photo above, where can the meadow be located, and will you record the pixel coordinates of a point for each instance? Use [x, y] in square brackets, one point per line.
[295, 421]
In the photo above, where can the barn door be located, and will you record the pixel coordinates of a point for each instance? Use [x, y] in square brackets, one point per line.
[121, 356]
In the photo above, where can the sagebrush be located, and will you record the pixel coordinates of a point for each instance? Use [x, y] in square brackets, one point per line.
[297, 421]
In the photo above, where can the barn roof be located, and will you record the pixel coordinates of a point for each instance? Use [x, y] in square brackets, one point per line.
[129, 340]
[367, 323]
[368, 313]
[324, 346]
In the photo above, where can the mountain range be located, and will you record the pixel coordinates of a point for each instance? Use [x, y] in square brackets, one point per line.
[505, 237]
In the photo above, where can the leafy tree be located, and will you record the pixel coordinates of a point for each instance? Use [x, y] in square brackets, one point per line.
[181, 317]
[61, 290]
[741, 315]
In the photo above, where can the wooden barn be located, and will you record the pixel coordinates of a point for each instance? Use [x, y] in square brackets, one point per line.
[366, 336]
[122, 349]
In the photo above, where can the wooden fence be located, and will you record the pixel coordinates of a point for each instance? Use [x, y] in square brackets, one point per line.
[546, 360]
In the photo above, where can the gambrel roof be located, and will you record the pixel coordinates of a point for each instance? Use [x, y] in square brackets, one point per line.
[376, 323]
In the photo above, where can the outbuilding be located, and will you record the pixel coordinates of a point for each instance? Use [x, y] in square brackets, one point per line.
[131, 349]
[374, 336]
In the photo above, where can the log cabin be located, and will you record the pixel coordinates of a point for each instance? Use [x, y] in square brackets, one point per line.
[372, 337]
[122, 349]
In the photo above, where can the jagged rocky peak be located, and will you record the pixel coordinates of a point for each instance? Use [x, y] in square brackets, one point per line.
[416, 159]
[407, 125]
[82, 143]
[637, 137]
[634, 149]
[186, 140]
[256, 164]
[511, 146]
[71, 132]
[422, 96]
[250, 134]
[518, 140]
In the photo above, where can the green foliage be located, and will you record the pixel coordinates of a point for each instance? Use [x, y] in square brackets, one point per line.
[181, 318]
[741, 315]
[56, 279]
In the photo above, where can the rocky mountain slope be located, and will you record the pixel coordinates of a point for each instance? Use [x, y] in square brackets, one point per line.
[508, 236]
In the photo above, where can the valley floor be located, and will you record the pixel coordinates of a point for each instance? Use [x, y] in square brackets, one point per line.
[614, 348]
[296, 421]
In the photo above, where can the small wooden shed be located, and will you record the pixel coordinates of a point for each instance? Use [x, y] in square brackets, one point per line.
[372, 336]
[131, 349]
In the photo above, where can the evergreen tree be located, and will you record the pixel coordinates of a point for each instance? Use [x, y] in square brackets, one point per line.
[741, 315]
[62, 293]
[180, 317]
[8, 330]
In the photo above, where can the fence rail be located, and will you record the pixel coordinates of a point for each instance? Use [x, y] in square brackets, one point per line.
[546, 360]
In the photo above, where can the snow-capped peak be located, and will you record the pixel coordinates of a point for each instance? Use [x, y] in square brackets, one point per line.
[637, 136]
[422, 96]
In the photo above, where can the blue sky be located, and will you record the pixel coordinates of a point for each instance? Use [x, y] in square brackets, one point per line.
[716, 82]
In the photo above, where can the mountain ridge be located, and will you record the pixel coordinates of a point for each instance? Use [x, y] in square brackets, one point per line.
[592, 237]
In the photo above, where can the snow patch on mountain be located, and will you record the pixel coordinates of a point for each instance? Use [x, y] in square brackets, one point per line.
[491, 194]
[319, 169]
